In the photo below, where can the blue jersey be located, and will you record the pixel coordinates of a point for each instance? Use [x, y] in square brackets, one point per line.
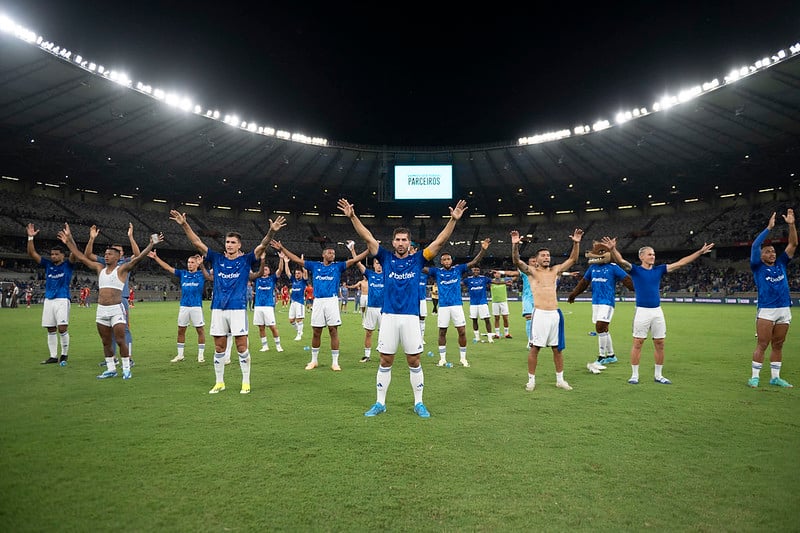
[230, 279]
[604, 280]
[343, 292]
[423, 288]
[325, 278]
[298, 292]
[401, 278]
[265, 291]
[647, 283]
[57, 278]
[375, 294]
[449, 283]
[476, 286]
[192, 284]
[771, 281]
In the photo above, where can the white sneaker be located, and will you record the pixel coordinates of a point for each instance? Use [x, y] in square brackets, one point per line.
[264, 348]
[441, 363]
[227, 360]
[201, 359]
[592, 367]
[465, 363]
[563, 385]
[176, 359]
[278, 348]
[298, 337]
[530, 386]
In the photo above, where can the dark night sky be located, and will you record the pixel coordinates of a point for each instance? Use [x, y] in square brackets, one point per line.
[414, 73]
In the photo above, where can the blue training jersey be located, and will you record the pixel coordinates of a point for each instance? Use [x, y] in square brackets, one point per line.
[325, 278]
[192, 284]
[647, 283]
[264, 288]
[604, 280]
[449, 283]
[772, 282]
[57, 278]
[230, 279]
[375, 294]
[298, 292]
[476, 286]
[401, 281]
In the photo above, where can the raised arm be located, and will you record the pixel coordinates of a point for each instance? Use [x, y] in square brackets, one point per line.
[792, 246]
[616, 256]
[351, 245]
[134, 246]
[349, 211]
[515, 240]
[163, 264]
[65, 236]
[180, 219]
[357, 259]
[31, 231]
[279, 246]
[435, 247]
[479, 256]
[689, 258]
[576, 237]
[281, 265]
[88, 250]
[206, 274]
[136, 259]
[260, 272]
[274, 227]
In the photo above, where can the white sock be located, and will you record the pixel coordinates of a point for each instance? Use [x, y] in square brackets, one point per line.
[602, 344]
[462, 351]
[756, 369]
[477, 334]
[417, 382]
[110, 365]
[201, 348]
[335, 357]
[442, 353]
[263, 341]
[244, 364]
[609, 345]
[126, 364]
[497, 331]
[314, 355]
[181, 346]
[277, 341]
[382, 383]
[775, 369]
[52, 343]
[367, 352]
[219, 367]
[635, 372]
[559, 376]
[659, 369]
[532, 378]
[65, 343]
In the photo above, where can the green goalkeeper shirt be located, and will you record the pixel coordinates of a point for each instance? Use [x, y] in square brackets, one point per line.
[499, 291]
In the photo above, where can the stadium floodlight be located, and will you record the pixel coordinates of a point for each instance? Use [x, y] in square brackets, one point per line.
[626, 207]
[10, 178]
[593, 209]
[159, 200]
[729, 195]
[505, 214]
[691, 200]
[770, 189]
[283, 135]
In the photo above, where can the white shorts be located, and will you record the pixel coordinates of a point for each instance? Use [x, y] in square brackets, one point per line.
[325, 312]
[500, 308]
[372, 318]
[649, 319]
[297, 310]
[190, 315]
[451, 312]
[602, 313]
[399, 330]
[264, 315]
[55, 312]
[362, 301]
[111, 315]
[228, 321]
[544, 327]
[423, 308]
[776, 315]
[479, 311]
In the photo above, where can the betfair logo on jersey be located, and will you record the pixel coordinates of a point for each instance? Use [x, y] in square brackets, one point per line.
[599, 280]
[190, 284]
[405, 275]
[56, 276]
[324, 278]
[234, 275]
[775, 279]
[449, 281]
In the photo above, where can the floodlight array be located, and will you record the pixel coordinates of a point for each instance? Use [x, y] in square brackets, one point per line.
[178, 101]
[666, 101]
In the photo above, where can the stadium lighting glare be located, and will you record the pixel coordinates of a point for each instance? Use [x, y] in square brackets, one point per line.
[690, 200]
[505, 214]
[366, 215]
[766, 190]
[191, 204]
[422, 216]
[564, 212]
[534, 214]
[477, 215]
[311, 213]
[594, 209]
[252, 209]
[397, 216]
[159, 200]
[729, 195]
[224, 207]
[10, 178]
[657, 204]
[125, 196]
[286, 212]
[626, 207]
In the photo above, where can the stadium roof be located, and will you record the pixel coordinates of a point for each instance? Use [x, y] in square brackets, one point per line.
[63, 125]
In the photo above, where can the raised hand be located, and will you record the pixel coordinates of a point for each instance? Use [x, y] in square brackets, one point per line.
[346, 208]
[485, 243]
[277, 245]
[278, 223]
[459, 209]
[515, 238]
[609, 243]
[152, 254]
[130, 229]
[771, 223]
[177, 216]
[706, 248]
[789, 216]
[94, 232]
[577, 235]
[31, 230]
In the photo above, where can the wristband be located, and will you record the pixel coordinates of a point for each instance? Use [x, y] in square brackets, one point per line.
[30, 237]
